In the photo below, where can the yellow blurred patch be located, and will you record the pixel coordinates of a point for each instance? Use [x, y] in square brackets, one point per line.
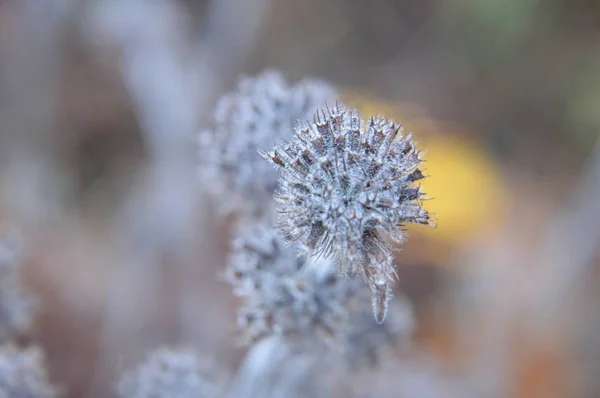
[465, 185]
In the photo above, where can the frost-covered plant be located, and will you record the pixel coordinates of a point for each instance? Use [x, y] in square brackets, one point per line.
[17, 307]
[22, 373]
[285, 296]
[344, 182]
[260, 111]
[369, 344]
[171, 373]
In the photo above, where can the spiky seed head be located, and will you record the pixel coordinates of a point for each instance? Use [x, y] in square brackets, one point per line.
[23, 374]
[344, 182]
[260, 111]
[171, 373]
[285, 296]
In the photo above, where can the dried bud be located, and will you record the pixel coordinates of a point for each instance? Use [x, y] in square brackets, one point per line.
[22, 373]
[169, 373]
[285, 296]
[261, 110]
[343, 182]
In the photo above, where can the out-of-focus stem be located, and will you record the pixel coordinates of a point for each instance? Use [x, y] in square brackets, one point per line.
[571, 243]
[172, 82]
[256, 370]
[271, 369]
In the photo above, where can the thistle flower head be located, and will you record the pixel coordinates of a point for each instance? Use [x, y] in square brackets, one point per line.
[260, 111]
[170, 373]
[285, 296]
[22, 373]
[344, 182]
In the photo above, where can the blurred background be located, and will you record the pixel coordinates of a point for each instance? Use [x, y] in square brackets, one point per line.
[100, 105]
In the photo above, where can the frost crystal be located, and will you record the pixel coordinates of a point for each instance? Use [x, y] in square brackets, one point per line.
[261, 110]
[285, 296]
[22, 373]
[342, 183]
[169, 373]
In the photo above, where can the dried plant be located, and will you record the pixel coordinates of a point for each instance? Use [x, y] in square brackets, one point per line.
[285, 296]
[342, 183]
[22, 373]
[17, 307]
[260, 111]
[170, 373]
[22, 370]
[370, 344]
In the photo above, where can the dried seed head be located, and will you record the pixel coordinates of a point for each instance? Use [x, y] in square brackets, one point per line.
[285, 296]
[22, 373]
[261, 110]
[170, 373]
[343, 182]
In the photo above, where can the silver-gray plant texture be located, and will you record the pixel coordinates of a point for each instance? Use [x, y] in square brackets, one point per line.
[171, 373]
[17, 307]
[22, 373]
[345, 181]
[260, 111]
[370, 344]
[285, 296]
